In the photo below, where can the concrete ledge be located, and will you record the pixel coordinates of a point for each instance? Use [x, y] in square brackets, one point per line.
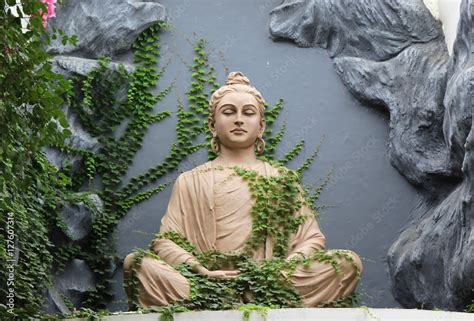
[352, 314]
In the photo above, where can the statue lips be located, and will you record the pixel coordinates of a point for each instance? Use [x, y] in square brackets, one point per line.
[238, 130]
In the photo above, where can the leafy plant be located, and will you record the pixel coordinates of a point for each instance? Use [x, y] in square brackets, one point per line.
[31, 189]
[248, 308]
[470, 308]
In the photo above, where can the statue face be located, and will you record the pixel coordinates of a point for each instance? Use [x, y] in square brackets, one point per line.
[237, 120]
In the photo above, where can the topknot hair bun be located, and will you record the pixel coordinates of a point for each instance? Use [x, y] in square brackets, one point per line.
[236, 77]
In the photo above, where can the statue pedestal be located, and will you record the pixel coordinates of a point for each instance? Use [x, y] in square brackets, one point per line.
[327, 314]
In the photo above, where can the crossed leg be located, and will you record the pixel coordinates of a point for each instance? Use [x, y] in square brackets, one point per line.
[160, 284]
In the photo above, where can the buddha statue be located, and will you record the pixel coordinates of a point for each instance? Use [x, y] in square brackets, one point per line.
[212, 208]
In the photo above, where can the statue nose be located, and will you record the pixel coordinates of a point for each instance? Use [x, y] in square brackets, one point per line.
[238, 120]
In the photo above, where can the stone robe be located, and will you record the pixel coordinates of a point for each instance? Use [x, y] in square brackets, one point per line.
[212, 209]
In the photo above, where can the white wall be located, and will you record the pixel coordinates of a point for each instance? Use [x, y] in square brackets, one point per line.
[448, 12]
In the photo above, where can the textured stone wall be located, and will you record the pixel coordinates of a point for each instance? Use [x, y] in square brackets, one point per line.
[105, 27]
[433, 260]
[392, 55]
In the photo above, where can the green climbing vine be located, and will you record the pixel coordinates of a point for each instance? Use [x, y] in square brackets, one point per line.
[31, 189]
[104, 99]
[203, 84]
[101, 112]
[275, 207]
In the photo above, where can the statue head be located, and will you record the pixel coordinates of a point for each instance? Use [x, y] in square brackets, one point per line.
[236, 115]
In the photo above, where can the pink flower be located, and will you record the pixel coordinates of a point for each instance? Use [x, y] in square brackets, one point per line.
[50, 6]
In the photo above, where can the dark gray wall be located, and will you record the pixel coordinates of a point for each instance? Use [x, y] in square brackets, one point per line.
[369, 201]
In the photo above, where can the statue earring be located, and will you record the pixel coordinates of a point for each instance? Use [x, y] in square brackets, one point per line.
[260, 145]
[215, 143]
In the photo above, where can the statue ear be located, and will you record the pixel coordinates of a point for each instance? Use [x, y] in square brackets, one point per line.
[211, 126]
[262, 126]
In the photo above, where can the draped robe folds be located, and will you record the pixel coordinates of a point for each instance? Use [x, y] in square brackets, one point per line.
[212, 209]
